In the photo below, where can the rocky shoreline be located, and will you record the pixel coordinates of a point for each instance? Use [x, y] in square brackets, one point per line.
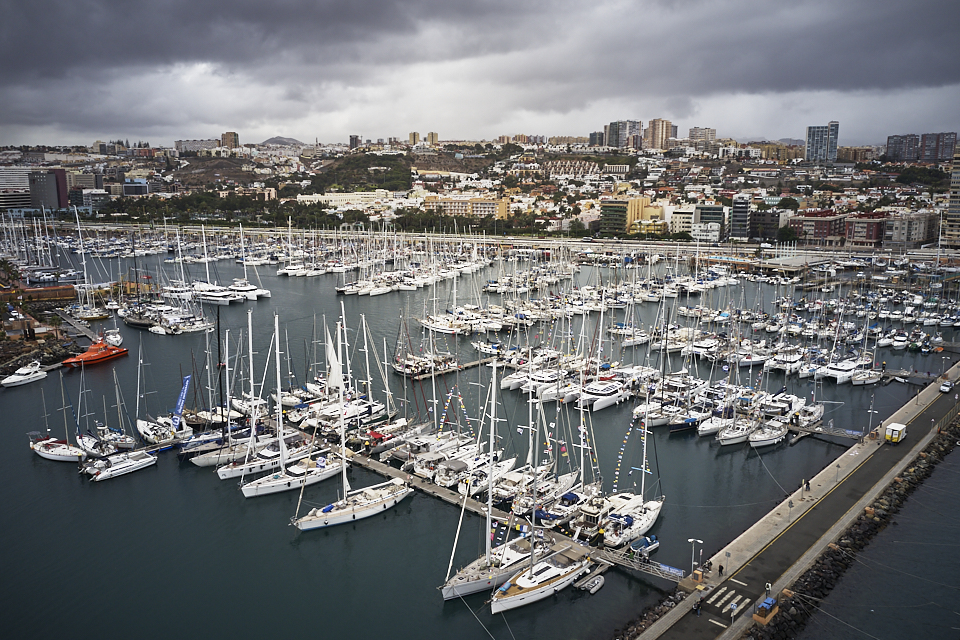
[17, 353]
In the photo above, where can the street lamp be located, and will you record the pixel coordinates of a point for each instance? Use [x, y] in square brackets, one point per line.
[693, 546]
[871, 412]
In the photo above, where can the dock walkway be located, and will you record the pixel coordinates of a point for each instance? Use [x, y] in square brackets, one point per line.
[424, 485]
[460, 367]
[787, 541]
[76, 326]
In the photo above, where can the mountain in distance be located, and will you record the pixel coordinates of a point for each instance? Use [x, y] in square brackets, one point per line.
[289, 142]
[792, 141]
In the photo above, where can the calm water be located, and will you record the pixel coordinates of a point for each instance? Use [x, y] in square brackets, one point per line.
[172, 549]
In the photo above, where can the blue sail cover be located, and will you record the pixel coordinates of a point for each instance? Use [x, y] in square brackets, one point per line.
[180, 400]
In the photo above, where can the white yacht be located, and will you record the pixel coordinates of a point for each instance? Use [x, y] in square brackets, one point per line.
[24, 375]
[738, 432]
[566, 562]
[631, 521]
[358, 504]
[483, 574]
[118, 464]
[53, 449]
[601, 394]
[767, 434]
[302, 473]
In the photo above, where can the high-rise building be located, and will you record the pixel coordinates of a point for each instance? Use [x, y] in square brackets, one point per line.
[619, 132]
[702, 134]
[822, 143]
[903, 148]
[740, 217]
[950, 227]
[657, 133]
[354, 141]
[230, 140]
[414, 138]
[937, 147]
[433, 138]
[48, 189]
[597, 139]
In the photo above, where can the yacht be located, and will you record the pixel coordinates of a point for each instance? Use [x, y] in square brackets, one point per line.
[118, 464]
[486, 573]
[303, 473]
[631, 521]
[738, 432]
[25, 375]
[46, 446]
[767, 434]
[566, 562]
[358, 504]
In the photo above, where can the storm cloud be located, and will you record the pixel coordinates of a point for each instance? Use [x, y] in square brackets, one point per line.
[79, 70]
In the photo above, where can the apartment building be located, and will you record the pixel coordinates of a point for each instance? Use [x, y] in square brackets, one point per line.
[822, 143]
[468, 206]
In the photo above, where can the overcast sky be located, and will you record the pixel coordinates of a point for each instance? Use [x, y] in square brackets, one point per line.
[75, 71]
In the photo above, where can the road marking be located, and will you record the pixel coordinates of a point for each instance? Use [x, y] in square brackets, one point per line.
[719, 624]
[714, 596]
[743, 605]
[742, 584]
[725, 598]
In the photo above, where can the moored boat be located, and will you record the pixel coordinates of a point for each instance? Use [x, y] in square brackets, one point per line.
[96, 353]
[24, 375]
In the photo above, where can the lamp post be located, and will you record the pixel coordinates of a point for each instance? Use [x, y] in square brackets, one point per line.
[871, 412]
[693, 553]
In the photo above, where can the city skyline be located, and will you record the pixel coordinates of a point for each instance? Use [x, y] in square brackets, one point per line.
[473, 71]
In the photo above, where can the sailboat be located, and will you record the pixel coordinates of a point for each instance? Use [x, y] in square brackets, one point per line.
[566, 562]
[46, 446]
[304, 472]
[355, 504]
[121, 463]
[636, 515]
[497, 564]
[165, 430]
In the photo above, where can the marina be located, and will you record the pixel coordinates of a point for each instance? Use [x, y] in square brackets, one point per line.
[423, 527]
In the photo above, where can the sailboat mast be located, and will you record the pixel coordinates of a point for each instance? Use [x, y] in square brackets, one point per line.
[493, 424]
[343, 462]
[276, 333]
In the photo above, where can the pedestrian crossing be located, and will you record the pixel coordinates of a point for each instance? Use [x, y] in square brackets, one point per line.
[727, 602]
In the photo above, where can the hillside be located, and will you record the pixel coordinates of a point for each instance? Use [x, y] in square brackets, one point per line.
[287, 142]
[202, 171]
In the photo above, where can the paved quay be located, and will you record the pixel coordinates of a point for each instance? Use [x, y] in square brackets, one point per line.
[785, 543]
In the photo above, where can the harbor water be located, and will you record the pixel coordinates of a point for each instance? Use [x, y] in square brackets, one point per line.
[173, 550]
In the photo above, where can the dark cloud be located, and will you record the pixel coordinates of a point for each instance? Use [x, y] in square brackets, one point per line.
[318, 67]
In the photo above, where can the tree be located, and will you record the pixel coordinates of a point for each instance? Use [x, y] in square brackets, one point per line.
[786, 234]
[788, 203]
[577, 227]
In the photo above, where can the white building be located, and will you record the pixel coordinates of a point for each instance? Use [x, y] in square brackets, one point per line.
[705, 231]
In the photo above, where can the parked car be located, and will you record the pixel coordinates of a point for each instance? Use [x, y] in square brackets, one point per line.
[947, 386]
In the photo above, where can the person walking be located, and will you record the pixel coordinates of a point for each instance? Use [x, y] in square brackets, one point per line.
[699, 605]
[720, 571]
